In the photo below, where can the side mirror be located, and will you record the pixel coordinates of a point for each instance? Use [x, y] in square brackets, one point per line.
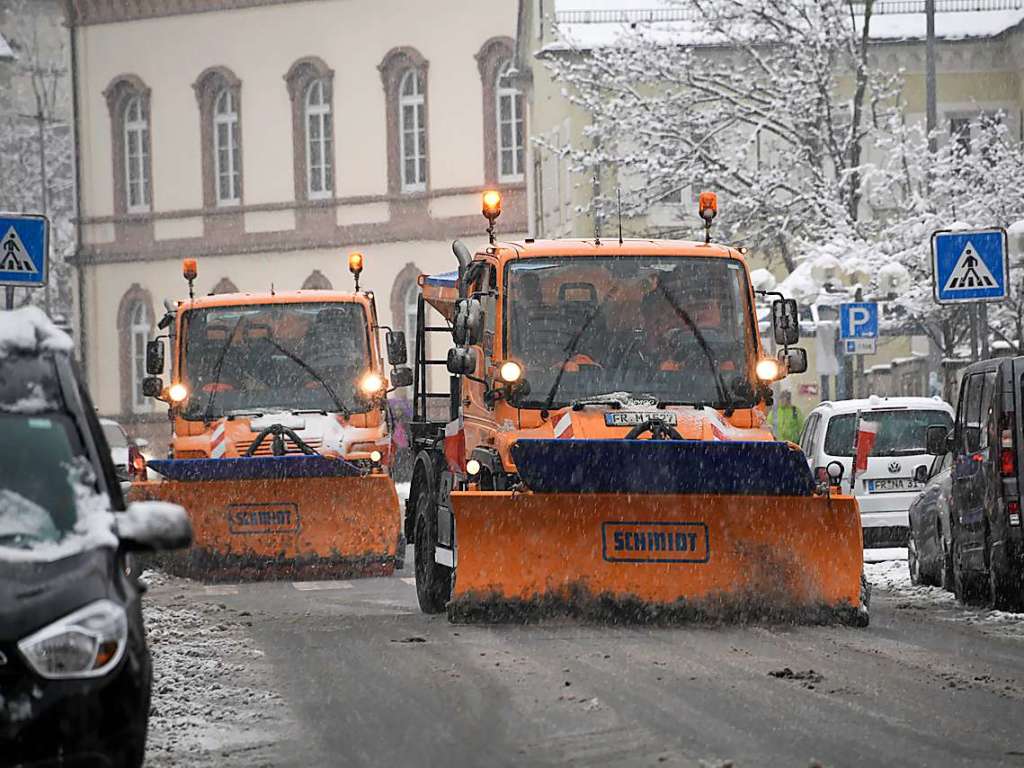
[785, 321]
[937, 440]
[397, 354]
[154, 357]
[921, 474]
[149, 526]
[152, 386]
[462, 361]
[401, 376]
[794, 360]
[468, 326]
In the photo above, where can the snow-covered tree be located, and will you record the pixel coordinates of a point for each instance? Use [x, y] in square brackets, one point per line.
[36, 141]
[770, 103]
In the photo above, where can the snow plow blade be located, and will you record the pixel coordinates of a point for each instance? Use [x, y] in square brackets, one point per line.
[642, 531]
[289, 517]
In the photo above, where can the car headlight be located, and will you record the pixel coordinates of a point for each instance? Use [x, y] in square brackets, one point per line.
[87, 643]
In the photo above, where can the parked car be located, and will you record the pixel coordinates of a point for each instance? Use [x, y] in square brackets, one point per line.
[930, 542]
[987, 536]
[75, 671]
[123, 449]
[891, 482]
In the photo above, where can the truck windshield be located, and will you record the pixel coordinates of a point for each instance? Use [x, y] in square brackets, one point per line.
[677, 328]
[900, 433]
[274, 356]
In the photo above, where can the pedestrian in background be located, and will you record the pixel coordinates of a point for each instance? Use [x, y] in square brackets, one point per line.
[788, 419]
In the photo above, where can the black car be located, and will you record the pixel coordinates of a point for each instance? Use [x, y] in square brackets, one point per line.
[986, 442]
[930, 544]
[75, 672]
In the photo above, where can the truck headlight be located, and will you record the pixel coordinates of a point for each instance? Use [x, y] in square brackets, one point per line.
[87, 643]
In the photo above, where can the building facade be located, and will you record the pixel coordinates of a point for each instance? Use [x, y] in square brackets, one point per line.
[267, 139]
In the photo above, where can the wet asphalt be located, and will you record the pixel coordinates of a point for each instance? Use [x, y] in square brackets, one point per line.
[366, 679]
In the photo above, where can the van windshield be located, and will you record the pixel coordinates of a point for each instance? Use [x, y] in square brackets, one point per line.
[900, 433]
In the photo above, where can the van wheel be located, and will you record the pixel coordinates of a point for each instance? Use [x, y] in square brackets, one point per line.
[433, 580]
[1004, 589]
[913, 561]
[947, 568]
[965, 584]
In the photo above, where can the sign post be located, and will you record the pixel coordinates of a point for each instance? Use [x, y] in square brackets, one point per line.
[24, 252]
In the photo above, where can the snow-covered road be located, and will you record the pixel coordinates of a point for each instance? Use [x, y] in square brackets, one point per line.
[351, 673]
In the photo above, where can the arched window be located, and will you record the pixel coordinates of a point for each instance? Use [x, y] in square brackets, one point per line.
[225, 148]
[139, 335]
[509, 120]
[413, 131]
[319, 133]
[136, 153]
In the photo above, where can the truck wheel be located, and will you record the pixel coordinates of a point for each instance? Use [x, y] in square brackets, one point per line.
[433, 580]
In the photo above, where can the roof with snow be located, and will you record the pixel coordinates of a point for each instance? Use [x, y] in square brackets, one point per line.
[6, 52]
[29, 330]
[597, 23]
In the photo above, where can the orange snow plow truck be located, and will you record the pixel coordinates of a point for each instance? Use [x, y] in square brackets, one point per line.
[602, 450]
[281, 433]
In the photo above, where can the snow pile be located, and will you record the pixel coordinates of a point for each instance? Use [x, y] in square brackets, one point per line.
[21, 516]
[207, 701]
[29, 330]
[35, 402]
[94, 526]
[156, 523]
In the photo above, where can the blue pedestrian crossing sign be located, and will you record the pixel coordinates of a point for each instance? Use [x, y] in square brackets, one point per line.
[970, 266]
[858, 320]
[24, 249]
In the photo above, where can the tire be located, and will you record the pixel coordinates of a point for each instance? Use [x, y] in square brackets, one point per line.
[947, 569]
[913, 561]
[433, 580]
[965, 584]
[1004, 588]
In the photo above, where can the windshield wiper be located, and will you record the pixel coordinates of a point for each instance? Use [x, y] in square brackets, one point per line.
[615, 399]
[316, 375]
[208, 411]
[703, 344]
[571, 347]
[21, 540]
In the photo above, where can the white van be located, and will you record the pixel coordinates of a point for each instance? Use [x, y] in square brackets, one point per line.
[892, 480]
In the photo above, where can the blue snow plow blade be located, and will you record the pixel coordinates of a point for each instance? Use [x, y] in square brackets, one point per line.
[746, 468]
[253, 468]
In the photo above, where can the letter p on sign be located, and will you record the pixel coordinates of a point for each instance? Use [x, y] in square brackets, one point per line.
[859, 320]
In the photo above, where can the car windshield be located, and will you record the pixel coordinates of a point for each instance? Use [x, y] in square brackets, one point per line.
[37, 497]
[677, 328]
[274, 356]
[116, 437]
[900, 433]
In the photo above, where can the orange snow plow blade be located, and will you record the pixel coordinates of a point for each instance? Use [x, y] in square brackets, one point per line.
[256, 528]
[657, 557]
[653, 531]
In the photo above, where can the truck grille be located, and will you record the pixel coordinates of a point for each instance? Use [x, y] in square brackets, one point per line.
[265, 447]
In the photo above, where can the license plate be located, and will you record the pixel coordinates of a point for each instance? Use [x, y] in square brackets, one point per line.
[632, 418]
[892, 484]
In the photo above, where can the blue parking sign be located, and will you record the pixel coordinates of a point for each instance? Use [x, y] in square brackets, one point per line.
[858, 320]
[970, 266]
[24, 249]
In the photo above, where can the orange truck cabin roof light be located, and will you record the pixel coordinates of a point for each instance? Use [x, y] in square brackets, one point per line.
[355, 262]
[189, 269]
[491, 207]
[708, 203]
